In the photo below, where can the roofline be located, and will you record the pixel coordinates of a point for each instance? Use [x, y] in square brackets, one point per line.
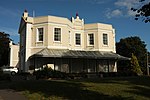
[98, 23]
[52, 16]
[79, 54]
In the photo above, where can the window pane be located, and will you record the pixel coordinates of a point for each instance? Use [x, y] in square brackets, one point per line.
[40, 34]
[57, 34]
[105, 66]
[78, 39]
[105, 39]
[91, 39]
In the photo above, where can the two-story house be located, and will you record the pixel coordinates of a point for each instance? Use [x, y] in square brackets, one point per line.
[66, 45]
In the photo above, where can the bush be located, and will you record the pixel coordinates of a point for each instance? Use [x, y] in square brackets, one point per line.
[24, 74]
[135, 67]
[127, 73]
[4, 76]
[49, 73]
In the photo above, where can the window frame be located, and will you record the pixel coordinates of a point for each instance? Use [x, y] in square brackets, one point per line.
[38, 34]
[105, 39]
[77, 39]
[59, 35]
[90, 40]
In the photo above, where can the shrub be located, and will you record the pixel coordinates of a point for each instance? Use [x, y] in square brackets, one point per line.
[4, 76]
[49, 73]
[135, 67]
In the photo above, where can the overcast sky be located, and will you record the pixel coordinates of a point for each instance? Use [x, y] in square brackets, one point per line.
[115, 12]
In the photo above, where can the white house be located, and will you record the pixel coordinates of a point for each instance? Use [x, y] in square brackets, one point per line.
[14, 50]
[66, 45]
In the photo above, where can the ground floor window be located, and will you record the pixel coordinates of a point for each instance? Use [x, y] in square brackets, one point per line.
[75, 65]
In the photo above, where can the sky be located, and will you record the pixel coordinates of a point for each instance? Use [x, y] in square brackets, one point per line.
[115, 12]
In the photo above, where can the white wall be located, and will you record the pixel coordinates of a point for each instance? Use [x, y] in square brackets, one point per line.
[14, 49]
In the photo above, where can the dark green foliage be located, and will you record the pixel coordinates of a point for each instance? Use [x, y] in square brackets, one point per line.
[4, 48]
[149, 58]
[129, 45]
[135, 67]
[49, 73]
[4, 76]
[142, 12]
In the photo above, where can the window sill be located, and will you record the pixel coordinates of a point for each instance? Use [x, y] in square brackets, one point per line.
[105, 45]
[78, 45]
[56, 41]
[39, 41]
[90, 45]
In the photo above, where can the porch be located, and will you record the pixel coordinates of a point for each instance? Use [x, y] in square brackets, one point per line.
[75, 61]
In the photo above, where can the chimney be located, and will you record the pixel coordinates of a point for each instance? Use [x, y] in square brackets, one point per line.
[77, 15]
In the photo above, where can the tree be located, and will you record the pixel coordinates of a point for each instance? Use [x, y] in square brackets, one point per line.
[135, 67]
[129, 45]
[4, 48]
[149, 58]
[142, 12]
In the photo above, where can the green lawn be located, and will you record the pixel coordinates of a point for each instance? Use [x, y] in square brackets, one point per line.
[119, 88]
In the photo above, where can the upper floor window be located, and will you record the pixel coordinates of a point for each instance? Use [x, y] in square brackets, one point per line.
[105, 39]
[57, 34]
[69, 38]
[78, 39]
[40, 34]
[91, 39]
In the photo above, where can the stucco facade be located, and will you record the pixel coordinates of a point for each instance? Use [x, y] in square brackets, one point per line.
[14, 50]
[52, 32]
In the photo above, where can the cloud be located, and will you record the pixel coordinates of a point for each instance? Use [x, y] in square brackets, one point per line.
[116, 12]
[97, 1]
[113, 13]
[128, 4]
[130, 13]
[123, 8]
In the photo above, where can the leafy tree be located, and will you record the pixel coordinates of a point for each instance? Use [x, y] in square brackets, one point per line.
[135, 67]
[129, 45]
[143, 11]
[149, 58]
[4, 48]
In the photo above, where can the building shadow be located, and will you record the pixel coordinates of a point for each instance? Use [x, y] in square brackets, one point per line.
[69, 90]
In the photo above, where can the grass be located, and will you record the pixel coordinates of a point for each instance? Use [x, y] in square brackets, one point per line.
[119, 88]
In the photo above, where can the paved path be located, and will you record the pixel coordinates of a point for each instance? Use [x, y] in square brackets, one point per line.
[8, 94]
